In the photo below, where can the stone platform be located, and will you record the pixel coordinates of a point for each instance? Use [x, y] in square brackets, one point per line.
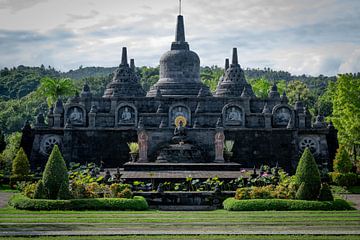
[182, 167]
[180, 175]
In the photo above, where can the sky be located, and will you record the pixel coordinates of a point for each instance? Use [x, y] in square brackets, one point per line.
[302, 37]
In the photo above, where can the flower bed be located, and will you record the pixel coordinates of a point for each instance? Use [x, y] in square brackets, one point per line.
[231, 204]
[137, 203]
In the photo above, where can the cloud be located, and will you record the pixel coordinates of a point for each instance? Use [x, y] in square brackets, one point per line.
[311, 37]
[352, 64]
[18, 5]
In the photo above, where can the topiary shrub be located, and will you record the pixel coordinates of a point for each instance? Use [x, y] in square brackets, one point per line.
[20, 168]
[344, 179]
[126, 193]
[325, 193]
[39, 190]
[342, 162]
[307, 177]
[55, 176]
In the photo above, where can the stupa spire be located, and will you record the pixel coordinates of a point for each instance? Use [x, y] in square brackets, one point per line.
[226, 64]
[180, 29]
[124, 57]
[234, 57]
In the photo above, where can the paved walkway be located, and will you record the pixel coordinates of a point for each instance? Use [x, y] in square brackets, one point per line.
[355, 198]
[4, 198]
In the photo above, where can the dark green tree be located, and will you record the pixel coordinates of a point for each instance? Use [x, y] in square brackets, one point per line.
[55, 176]
[325, 193]
[307, 177]
[2, 142]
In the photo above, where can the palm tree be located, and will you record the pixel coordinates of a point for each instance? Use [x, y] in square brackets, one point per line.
[54, 88]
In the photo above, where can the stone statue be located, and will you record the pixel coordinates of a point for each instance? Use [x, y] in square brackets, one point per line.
[76, 116]
[283, 116]
[234, 115]
[126, 115]
[179, 133]
[219, 146]
[143, 146]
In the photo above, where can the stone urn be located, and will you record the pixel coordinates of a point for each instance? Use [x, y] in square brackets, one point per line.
[227, 156]
[134, 156]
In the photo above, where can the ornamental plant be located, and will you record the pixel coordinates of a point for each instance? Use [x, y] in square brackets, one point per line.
[55, 177]
[20, 167]
[307, 177]
[134, 147]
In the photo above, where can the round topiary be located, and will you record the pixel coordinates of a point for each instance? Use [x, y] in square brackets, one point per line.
[55, 175]
[325, 193]
[308, 175]
[342, 162]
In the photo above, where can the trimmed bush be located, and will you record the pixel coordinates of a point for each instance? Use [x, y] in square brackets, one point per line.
[325, 193]
[137, 203]
[55, 175]
[39, 190]
[344, 179]
[231, 204]
[308, 175]
[20, 168]
[342, 162]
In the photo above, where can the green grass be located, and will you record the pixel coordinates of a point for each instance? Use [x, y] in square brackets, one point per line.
[354, 189]
[197, 237]
[181, 222]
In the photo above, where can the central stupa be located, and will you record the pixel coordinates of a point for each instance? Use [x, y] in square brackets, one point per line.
[179, 69]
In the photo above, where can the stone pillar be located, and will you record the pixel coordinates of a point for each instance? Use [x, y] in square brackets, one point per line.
[57, 120]
[267, 117]
[92, 120]
[143, 146]
[219, 145]
[301, 120]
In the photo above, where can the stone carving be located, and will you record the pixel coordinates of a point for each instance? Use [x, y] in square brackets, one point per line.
[282, 116]
[48, 142]
[179, 111]
[233, 116]
[179, 132]
[126, 115]
[219, 146]
[308, 142]
[143, 146]
[76, 116]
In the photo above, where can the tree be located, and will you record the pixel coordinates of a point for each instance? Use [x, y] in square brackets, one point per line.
[342, 162]
[261, 87]
[346, 111]
[2, 142]
[307, 177]
[12, 147]
[55, 176]
[54, 88]
[20, 167]
[296, 88]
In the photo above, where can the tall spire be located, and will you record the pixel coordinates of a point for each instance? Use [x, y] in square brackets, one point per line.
[179, 7]
[124, 57]
[132, 64]
[180, 31]
[234, 57]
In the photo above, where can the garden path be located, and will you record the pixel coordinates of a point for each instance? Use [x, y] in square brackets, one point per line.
[355, 198]
[4, 198]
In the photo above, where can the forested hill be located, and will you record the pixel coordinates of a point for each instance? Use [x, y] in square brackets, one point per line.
[16, 83]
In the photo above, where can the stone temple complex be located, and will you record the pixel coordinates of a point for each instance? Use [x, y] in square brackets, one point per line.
[179, 121]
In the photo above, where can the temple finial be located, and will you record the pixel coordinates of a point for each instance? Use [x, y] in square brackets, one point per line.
[179, 7]
[124, 57]
[234, 57]
[226, 63]
[132, 64]
[180, 31]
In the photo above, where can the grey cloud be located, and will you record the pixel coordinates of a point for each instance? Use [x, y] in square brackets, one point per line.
[17, 5]
[76, 17]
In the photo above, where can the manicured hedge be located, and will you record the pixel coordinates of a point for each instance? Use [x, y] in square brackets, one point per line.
[231, 204]
[19, 201]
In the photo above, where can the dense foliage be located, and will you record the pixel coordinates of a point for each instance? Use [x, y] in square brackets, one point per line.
[11, 149]
[231, 204]
[137, 203]
[307, 177]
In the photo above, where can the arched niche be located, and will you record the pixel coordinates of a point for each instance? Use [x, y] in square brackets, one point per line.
[76, 114]
[233, 115]
[281, 115]
[126, 115]
[179, 109]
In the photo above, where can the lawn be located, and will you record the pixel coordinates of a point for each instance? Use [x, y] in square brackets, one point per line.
[185, 224]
